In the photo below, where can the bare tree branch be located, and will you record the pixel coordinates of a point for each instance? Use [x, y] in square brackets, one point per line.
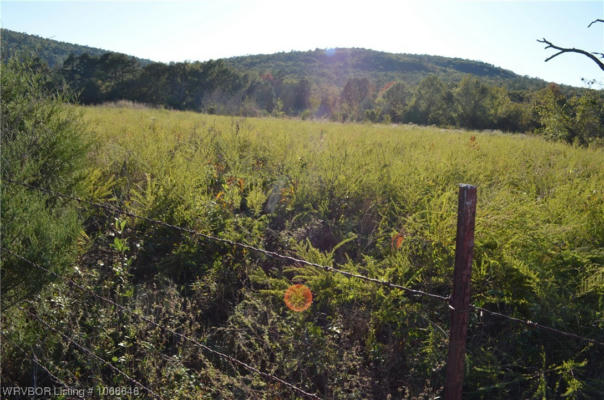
[594, 21]
[562, 50]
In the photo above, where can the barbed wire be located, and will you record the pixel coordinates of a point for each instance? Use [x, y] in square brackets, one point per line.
[273, 254]
[176, 333]
[269, 253]
[36, 360]
[92, 354]
[533, 324]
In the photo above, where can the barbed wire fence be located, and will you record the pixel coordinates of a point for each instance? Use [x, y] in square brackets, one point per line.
[414, 293]
[73, 391]
[92, 354]
[234, 360]
[269, 253]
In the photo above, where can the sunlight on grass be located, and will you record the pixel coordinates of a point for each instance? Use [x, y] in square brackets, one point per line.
[535, 197]
[380, 200]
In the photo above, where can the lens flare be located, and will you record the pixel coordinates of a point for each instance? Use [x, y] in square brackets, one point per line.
[397, 241]
[298, 298]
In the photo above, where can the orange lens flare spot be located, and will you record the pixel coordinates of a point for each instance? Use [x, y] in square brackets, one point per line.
[397, 241]
[298, 298]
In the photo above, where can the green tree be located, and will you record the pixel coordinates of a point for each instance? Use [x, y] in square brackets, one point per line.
[589, 117]
[43, 145]
[302, 95]
[355, 93]
[263, 95]
[396, 99]
[152, 85]
[432, 103]
[511, 116]
[116, 68]
[82, 75]
[328, 105]
[555, 114]
[475, 104]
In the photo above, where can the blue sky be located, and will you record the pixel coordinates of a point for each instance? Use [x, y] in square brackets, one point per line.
[502, 33]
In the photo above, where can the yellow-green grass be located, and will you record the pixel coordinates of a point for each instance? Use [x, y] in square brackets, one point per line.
[332, 192]
[540, 204]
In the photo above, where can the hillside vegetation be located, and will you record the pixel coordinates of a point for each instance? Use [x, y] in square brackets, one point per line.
[51, 52]
[336, 66]
[335, 84]
[321, 66]
[330, 193]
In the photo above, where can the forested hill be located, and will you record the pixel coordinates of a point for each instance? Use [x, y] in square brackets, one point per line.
[337, 66]
[52, 52]
[332, 67]
[337, 84]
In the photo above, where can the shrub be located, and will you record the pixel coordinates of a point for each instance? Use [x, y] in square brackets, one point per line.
[43, 145]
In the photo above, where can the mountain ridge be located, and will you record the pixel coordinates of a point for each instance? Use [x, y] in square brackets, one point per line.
[322, 66]
[383, 67]
[53, 52]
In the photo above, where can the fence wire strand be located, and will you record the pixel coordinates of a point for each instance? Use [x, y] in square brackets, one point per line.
[273, 254]
[176, 333]
[72, 390]
[533, 324]
[230, 242]
[93, 355]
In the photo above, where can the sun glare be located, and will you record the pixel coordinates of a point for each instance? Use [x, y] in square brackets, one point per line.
[298, 298]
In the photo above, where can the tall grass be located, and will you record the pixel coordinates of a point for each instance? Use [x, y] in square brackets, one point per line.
[335, 192]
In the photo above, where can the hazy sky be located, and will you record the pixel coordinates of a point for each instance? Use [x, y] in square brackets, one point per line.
[502, 33]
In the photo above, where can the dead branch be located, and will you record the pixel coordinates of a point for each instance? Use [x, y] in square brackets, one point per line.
[594, 21]
[562, 50]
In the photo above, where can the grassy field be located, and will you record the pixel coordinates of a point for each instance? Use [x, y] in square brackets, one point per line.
[366, 180]
[334, 194]
[340, 192]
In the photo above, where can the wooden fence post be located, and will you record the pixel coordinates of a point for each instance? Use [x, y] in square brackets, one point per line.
[460, 298]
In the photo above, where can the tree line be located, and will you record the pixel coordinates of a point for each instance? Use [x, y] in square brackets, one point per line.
[214, 87]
